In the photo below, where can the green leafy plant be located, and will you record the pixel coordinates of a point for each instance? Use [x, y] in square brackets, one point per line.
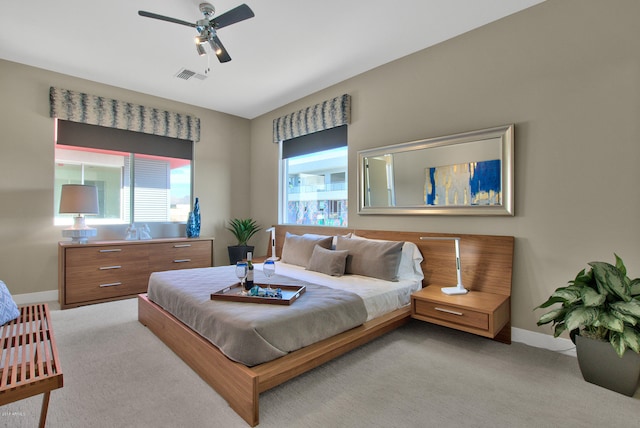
[243, 229]
[600, 303]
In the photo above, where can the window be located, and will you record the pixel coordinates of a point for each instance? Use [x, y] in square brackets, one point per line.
[314, 179]
[141, 185]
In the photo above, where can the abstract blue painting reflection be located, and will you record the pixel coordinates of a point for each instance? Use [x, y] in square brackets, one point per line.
[466, 184]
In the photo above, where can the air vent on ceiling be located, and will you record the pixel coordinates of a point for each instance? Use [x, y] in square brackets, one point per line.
[185, 74]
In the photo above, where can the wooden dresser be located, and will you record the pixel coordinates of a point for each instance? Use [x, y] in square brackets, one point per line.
[101, 271]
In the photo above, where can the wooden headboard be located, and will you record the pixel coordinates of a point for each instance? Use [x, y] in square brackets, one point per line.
[486, 260]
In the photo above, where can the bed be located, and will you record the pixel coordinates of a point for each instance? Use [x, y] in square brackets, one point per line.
[240, 380]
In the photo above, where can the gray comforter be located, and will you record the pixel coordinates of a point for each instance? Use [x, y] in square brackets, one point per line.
[253, 333]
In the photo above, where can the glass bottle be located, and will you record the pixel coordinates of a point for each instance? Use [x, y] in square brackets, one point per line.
[249, 282]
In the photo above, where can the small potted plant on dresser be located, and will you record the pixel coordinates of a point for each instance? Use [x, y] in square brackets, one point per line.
[600, 309]
[243, 230]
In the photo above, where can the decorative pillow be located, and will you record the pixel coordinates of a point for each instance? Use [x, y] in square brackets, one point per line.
[8, 308]
[377, 259]
[329, 262]
[410, 262]
[297, 249]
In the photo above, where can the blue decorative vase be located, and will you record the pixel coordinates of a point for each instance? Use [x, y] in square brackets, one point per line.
[193, 222]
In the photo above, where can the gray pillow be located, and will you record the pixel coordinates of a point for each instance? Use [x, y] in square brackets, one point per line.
[329, 262]
[377, 259]
[297, 249]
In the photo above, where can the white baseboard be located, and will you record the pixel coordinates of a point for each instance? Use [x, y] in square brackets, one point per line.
[39, 297]
[539, 340]
[531, 338]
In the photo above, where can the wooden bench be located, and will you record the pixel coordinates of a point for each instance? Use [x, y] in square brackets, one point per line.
[29, 363]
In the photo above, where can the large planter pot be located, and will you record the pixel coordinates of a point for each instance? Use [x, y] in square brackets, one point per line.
[238, 252]
[601, 366]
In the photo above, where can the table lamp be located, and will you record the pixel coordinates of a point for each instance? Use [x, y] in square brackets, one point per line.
[458, 289]
[79, 199]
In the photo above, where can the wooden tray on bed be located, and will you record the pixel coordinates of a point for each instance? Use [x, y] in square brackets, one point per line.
[290, 294]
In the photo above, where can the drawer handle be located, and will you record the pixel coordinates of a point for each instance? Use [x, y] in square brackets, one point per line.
[448, 311]
[111, 250]
[111, 284]
[181, 245]
[109, 267]
[182, 260]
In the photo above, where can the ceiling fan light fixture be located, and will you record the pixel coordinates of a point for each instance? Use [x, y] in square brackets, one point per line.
[200, 49]
[216, 49]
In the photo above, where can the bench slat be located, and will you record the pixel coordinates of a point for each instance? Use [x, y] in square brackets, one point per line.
[29, 362]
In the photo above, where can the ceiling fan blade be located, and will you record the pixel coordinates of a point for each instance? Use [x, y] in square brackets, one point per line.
[165, 18]
[232, 16]
[219, 49]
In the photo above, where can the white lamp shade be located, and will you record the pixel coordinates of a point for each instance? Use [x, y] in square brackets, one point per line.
[79, 199]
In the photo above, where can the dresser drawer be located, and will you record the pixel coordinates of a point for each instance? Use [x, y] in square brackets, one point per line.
[104, 272]
[452, 314]
[179, 255]
[93, 257]
[106, 284]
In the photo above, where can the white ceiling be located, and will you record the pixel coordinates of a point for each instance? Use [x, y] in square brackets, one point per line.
[290, 49]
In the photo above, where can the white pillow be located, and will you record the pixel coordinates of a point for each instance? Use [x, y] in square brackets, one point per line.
[409, 261]
[335, 240]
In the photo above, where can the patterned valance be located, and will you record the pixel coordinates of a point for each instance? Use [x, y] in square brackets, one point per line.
[328, 114]
[84, 108]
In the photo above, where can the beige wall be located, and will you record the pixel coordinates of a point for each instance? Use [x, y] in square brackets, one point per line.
[567, 74]
[28, 239]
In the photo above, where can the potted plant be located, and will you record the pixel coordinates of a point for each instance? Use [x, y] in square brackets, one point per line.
[600, 309]
[243, 230]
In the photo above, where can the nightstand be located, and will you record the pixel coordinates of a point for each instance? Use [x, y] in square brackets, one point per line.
[477, 312]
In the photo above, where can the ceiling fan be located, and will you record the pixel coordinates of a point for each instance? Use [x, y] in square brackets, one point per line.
[208, 26]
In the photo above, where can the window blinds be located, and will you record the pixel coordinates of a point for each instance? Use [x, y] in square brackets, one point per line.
[119, 140]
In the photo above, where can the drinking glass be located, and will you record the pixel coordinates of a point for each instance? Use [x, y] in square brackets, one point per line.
[241, 273]
[269, 268]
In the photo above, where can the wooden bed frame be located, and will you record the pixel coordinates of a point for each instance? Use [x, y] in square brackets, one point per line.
[486, 266]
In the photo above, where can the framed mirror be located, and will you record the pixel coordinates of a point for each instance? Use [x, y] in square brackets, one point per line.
[462, 174]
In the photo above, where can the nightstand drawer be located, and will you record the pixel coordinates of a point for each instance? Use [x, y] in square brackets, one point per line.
[452, 314]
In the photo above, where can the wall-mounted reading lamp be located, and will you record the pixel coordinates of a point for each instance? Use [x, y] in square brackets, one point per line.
[458, 289]
[273, 243]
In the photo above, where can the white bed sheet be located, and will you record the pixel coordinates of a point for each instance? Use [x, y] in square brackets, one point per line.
[379, 296]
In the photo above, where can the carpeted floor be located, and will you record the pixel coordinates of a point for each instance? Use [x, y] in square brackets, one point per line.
[118, 374]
